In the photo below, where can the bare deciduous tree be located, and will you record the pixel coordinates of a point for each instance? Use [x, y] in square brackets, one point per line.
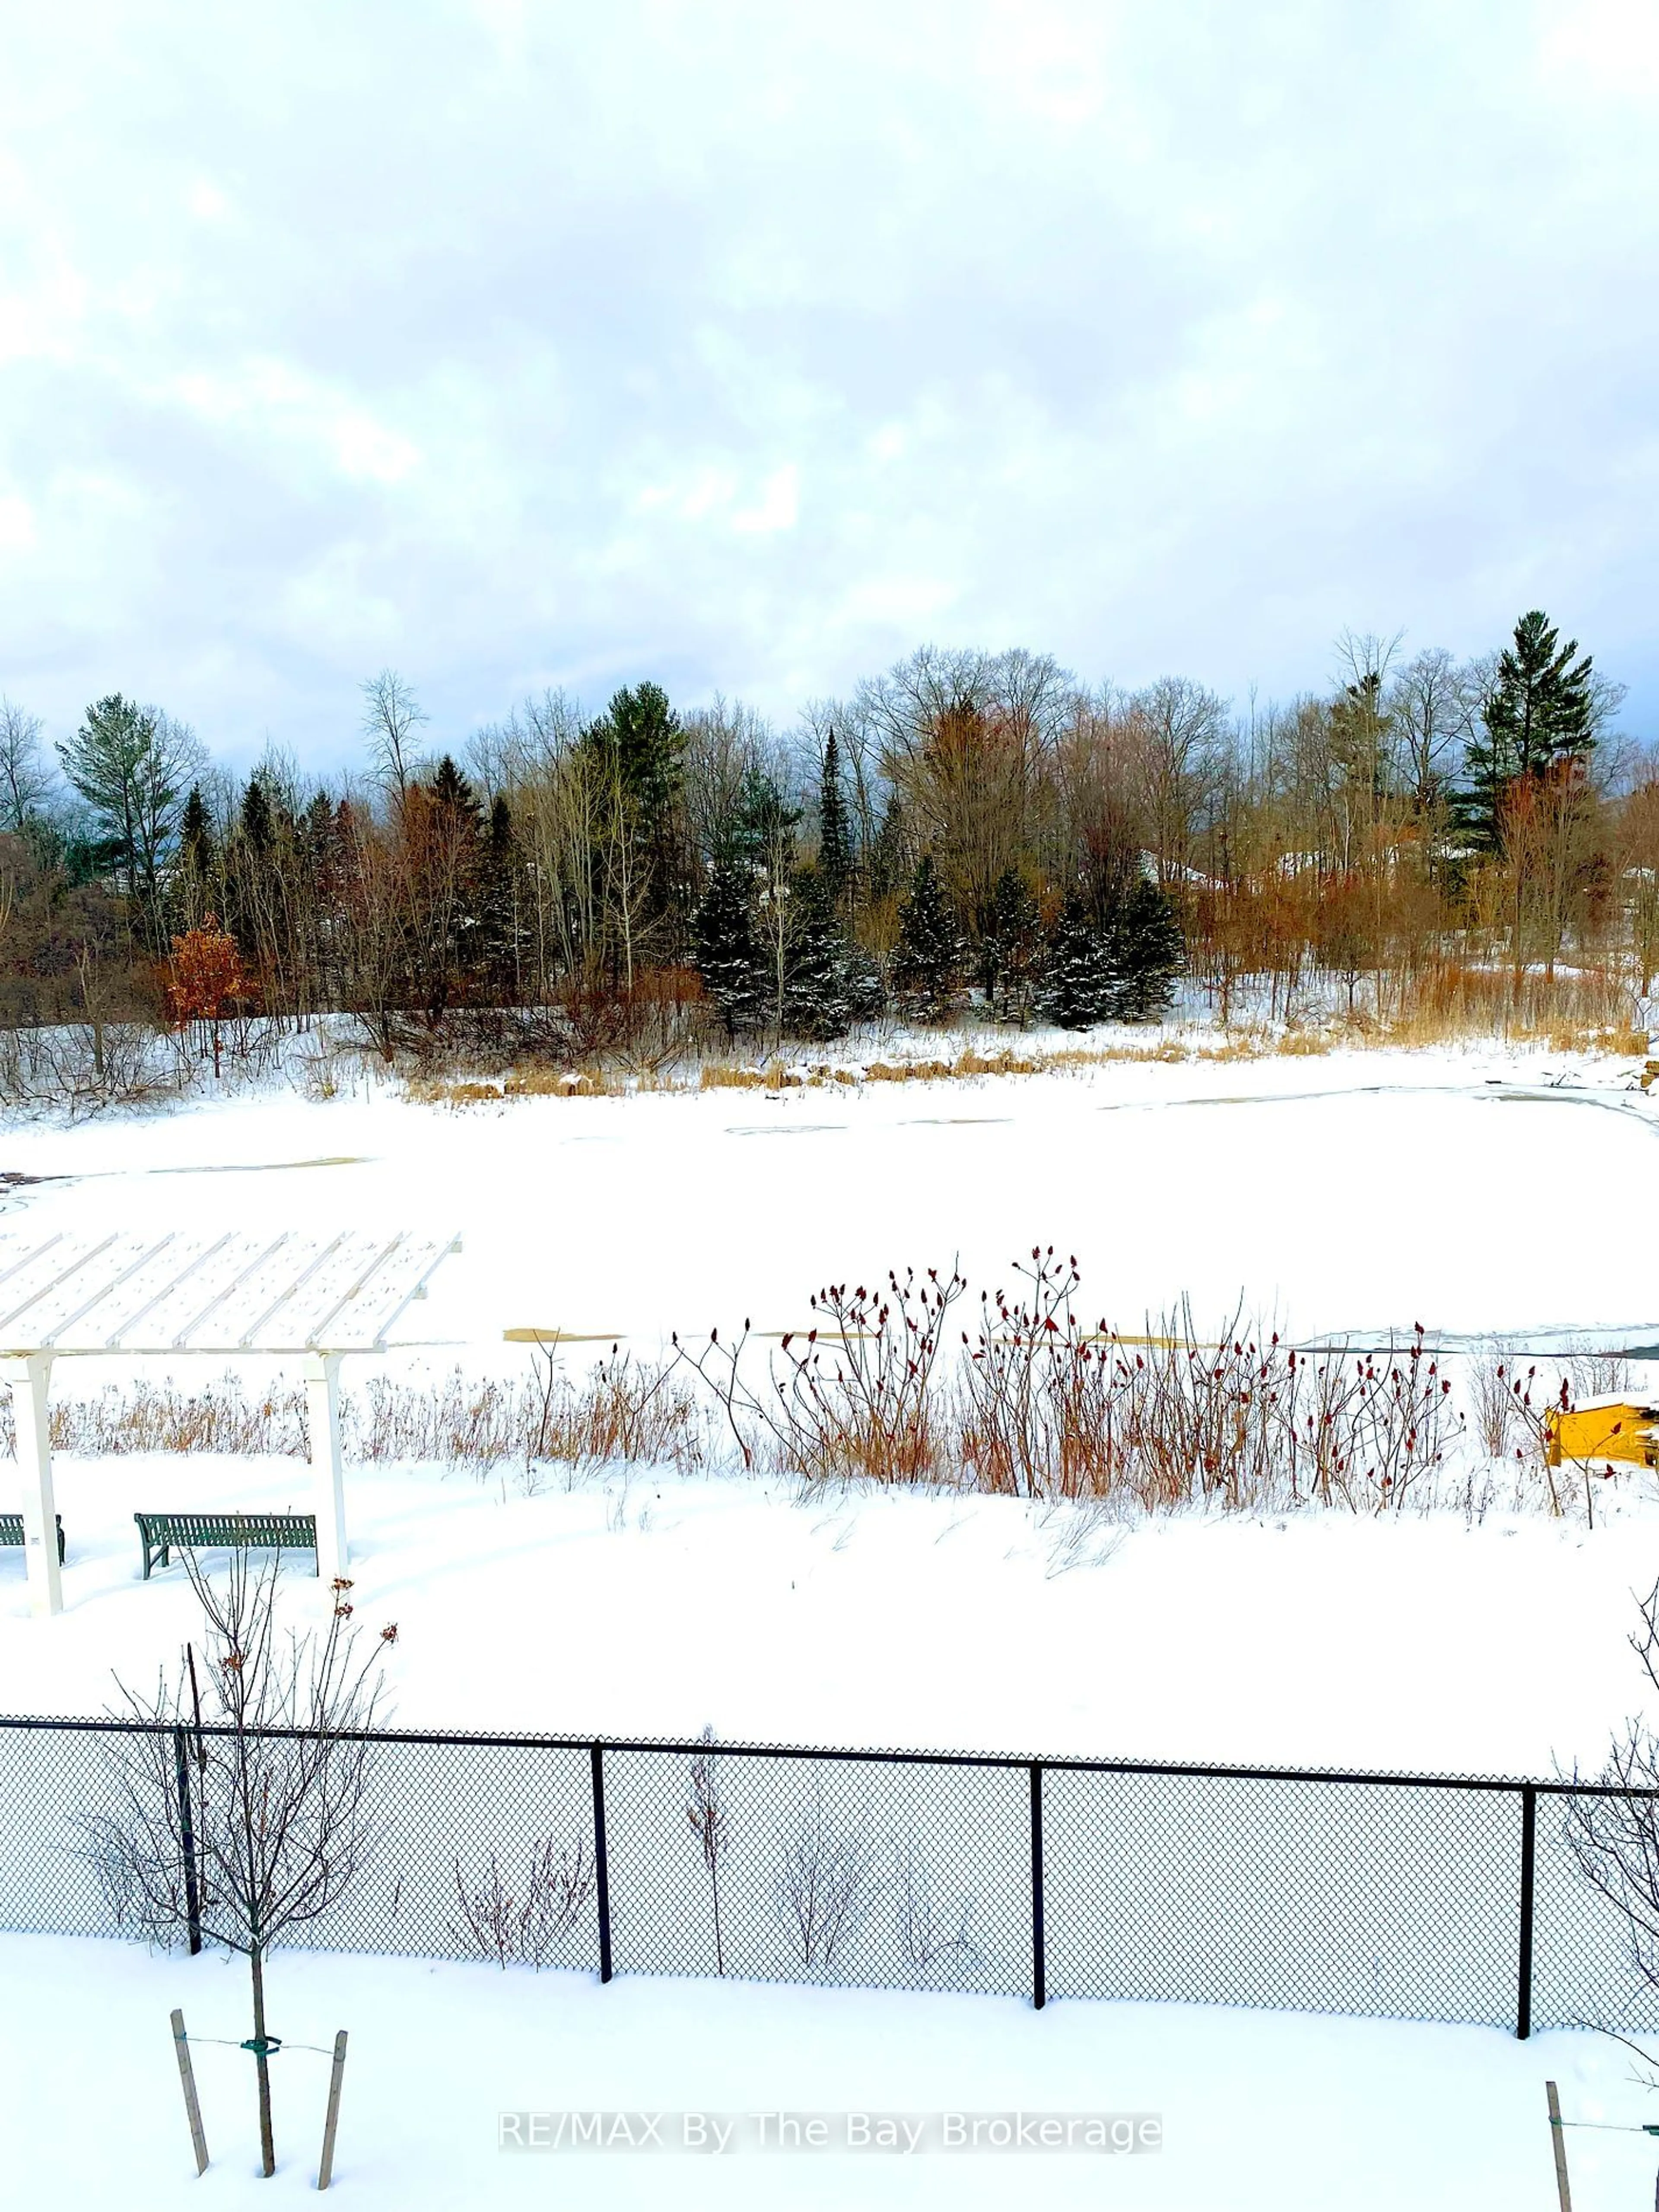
[1639, 863]
[265, 1824]
[1615, 1836]
[391, 714]
[1176, 743]
[24, 778]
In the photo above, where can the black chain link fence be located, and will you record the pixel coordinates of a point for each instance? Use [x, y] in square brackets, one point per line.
[1410, 1897]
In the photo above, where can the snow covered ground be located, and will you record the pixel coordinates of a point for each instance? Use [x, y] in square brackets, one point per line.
[649, 1605]
[1474, 1192]
[1360, 1192]
[1258, 2109]
[1353, 1191]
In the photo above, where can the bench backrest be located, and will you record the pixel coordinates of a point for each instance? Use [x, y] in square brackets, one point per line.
[262, 1528]
[11, 1526]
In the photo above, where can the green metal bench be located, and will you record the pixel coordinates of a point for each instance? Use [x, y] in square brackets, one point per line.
[251, 1532]
[11, 1532]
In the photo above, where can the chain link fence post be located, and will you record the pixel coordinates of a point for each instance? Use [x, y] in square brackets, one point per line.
[187, 1838]
[1039, 1939]
[1528, 1854]
[601, 1860]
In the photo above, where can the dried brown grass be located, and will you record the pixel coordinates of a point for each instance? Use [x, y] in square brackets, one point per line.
[158, 1417]
[524, 1083]
[623, 1411]
[1457, 1002]
[971, 1064]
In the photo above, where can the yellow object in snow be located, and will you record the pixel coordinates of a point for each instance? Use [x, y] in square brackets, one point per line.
[1612, 1429]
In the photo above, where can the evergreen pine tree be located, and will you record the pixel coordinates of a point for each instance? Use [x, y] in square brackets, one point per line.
[834, 839]
[196, 844]
[450, 935]
[255, 827]
[642, 740]
[815, 991]
[928, 959]
[317, 828]
[1080, 983]
[728, 954]
[1011, 950]
[862, 982]
[762, 826]
[314, 838]
[1150, 953]
[498, 926]
[1541, 710]
[644, 733]
[453, 793]
[133, 766]
[642, 744]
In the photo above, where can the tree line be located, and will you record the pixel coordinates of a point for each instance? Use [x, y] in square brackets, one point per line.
[967, 827]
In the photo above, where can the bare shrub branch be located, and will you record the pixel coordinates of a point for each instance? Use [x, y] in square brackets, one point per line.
[932, 1937]
[525, 1925]
[824, 1888]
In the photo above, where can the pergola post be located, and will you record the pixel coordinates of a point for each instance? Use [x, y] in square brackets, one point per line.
[327, 1461]
[29, 1376]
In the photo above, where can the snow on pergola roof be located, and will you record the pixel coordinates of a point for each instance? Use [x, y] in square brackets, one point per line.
[287, 1293]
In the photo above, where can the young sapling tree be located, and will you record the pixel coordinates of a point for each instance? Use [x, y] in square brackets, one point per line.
[706, 1814]
[265, 1824]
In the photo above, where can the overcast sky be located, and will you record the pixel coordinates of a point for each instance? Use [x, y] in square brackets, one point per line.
[748, 346]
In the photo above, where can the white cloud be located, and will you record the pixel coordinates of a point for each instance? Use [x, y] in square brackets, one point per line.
[17, 530]
[777, 507]
[206, 202]
[1610, 46]
[1160, 338]
[271, 402]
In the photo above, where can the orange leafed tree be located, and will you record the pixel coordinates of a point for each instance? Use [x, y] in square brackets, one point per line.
[205, 979]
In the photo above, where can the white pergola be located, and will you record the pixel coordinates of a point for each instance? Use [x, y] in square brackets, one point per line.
[299, 1296]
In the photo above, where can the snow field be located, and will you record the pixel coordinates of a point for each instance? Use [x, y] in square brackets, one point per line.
[1361, 1193]
[1267, 2109]
[649, 1604]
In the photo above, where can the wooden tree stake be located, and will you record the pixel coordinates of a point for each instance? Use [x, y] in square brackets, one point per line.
[193, 2107]
[1560, 2142]
[325, 2171]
